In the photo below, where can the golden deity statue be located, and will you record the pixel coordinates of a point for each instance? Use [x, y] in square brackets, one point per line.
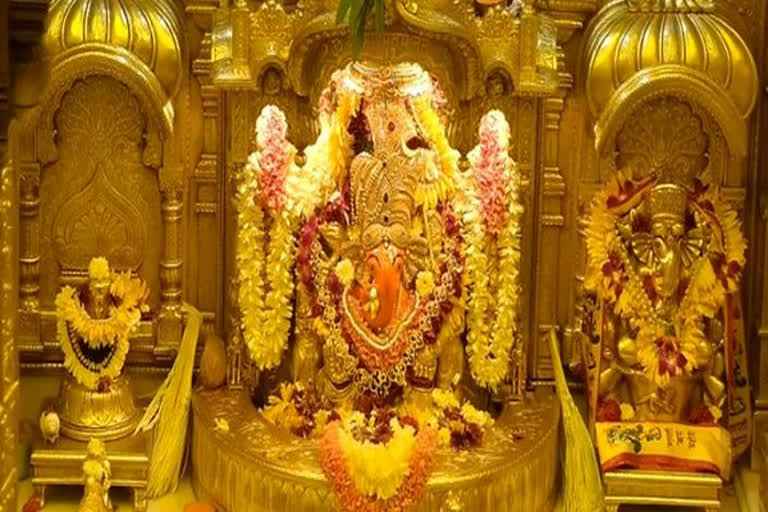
[94, 324]
[384, 248]
[97, 474]
[666, 349]
[385, 222]
[95, 409]
[377, 277]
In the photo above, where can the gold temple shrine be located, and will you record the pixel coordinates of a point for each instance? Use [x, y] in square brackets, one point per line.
[383, 255]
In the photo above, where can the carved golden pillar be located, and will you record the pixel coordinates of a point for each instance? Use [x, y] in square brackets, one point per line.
[760, 439]
[526, 159]
[240, 132]
[236, 352]
[9, 364]
[30, 255]
[527, 140]
[169, 324]
[529, 32]
[9, 293]
[204, 259]
[551, 220]
[5, 74]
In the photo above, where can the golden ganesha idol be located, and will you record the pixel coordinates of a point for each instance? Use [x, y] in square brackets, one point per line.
[389, 272]
[665, 357]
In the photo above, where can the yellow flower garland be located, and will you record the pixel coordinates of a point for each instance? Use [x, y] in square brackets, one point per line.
[265, 283]
[265, 314]
[96, 333]
[439, 186]
[103, 332]
[490, 342]
[86, 376]
[378, 469]
[327, 160]
[250, 259]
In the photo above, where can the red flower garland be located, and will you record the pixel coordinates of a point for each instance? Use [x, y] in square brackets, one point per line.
[351, 499]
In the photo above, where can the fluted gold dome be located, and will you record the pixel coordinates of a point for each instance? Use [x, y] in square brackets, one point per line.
[148, 29]
[629, 36]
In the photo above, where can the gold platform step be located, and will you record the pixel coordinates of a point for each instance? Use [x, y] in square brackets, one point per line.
[62, 464]
[251, 466]
[632, 487]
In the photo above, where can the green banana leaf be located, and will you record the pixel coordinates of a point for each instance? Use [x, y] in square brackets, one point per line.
[356, 13]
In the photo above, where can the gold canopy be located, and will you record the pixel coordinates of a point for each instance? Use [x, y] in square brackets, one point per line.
[639, 47]
[143, 32]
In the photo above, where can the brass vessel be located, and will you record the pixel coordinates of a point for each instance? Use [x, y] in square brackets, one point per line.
[107, 415]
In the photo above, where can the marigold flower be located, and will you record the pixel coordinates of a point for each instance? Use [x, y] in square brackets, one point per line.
[445, 399]
[425, 283]
[345, 271]
[476, 416]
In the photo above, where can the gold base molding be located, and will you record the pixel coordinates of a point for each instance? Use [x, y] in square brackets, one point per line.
[62, 464]
[662, 488]
[251, 466]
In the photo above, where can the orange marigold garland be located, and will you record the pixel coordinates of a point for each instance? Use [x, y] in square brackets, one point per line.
[351, 499]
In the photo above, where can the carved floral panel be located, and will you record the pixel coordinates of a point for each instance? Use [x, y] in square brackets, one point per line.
[99, 198]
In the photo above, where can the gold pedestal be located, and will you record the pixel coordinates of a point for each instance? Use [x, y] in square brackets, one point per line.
[252, 466]
[86, 413]
[62, 464]
[662, 488]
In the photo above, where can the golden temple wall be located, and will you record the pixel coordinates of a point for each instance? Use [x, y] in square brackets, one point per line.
[219, 88]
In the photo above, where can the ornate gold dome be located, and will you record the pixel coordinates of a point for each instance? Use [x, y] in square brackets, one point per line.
[631, 36]
[148, 29]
